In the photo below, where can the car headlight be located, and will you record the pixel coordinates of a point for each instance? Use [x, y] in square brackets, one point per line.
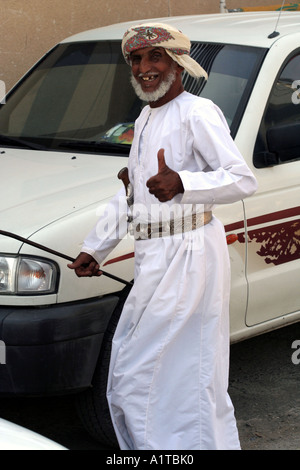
[27, 275]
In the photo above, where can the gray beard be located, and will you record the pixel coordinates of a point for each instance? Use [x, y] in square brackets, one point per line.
[156, 95]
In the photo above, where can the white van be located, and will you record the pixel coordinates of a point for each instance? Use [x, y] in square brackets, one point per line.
[65, 132]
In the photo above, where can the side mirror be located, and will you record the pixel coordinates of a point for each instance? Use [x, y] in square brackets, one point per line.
[283, 144]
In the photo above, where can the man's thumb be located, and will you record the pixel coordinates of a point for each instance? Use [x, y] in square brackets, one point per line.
[73, 265]
[161, 160]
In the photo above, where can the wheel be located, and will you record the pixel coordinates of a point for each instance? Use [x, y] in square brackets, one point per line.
[92, 406]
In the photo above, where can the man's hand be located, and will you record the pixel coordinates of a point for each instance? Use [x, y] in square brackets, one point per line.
[85, 266]
[166, 184]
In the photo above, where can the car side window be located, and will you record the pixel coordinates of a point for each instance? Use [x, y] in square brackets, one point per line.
[278, 139]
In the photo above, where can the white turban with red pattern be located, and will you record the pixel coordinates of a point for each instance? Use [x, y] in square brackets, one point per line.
[175, 43]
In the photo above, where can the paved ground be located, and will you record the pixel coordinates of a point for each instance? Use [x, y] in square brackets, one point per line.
[264, 387]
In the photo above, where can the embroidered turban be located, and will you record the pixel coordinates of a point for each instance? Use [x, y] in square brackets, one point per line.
[175, 43]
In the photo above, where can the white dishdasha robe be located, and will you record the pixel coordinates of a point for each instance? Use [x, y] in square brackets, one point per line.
[168, 379]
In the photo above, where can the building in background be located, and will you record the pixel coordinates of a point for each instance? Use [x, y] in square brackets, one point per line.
[29, 29]
[286, 7]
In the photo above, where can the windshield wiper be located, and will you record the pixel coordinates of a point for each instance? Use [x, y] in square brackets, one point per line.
[5, 139]
[102, 146]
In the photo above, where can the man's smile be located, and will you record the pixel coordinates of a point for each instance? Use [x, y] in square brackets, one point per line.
[155, 76]
[148, 77]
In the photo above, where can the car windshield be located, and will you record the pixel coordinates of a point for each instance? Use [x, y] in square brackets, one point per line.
[79, 96]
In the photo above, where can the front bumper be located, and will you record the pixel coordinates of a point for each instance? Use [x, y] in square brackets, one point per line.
[52, 350]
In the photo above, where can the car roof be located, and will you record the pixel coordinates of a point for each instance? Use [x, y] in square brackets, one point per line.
[247, 28]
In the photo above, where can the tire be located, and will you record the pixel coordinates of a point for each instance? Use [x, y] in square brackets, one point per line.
[92, 406]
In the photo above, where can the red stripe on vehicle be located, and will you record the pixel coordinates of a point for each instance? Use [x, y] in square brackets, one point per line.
[284, 214]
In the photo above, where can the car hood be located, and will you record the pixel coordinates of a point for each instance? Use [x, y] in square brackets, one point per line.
[40, 187]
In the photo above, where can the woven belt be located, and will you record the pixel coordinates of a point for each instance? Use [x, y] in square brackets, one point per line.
[172, 227]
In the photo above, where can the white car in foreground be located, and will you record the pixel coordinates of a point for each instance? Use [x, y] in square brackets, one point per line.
[15, 437]
[65, 132]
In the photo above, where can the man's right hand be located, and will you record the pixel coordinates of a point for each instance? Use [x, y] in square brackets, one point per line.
[85, 266]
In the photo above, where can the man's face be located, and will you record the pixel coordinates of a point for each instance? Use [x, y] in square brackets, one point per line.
[156, 78]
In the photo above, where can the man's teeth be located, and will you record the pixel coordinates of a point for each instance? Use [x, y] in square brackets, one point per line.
[146, 79]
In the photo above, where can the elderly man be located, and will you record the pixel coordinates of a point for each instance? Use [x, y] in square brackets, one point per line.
[168, 379]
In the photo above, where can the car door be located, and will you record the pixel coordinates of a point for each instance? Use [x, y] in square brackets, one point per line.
[273, 265]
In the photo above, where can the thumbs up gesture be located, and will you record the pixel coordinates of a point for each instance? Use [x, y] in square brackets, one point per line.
[166, 183]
